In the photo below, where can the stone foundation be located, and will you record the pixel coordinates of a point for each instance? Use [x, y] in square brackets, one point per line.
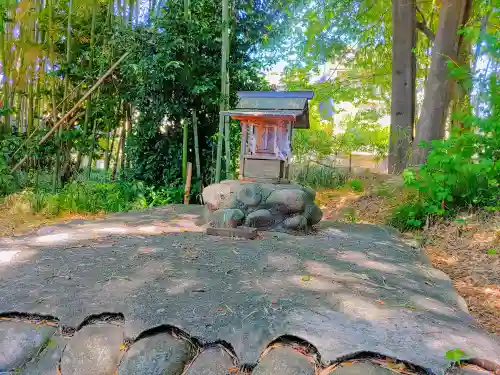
[278, 207]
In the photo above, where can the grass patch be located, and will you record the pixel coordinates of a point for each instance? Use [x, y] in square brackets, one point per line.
[318, 176]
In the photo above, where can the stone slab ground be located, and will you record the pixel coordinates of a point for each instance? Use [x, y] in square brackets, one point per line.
[150, 293]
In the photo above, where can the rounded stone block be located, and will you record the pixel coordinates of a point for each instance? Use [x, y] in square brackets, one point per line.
[212, 361]
[296, 222]
[93, 350]
[157, 355]
[288, 200]
[260, 219]
[361, 368]
[20, 342]
[223, 195]
[227, 218]
[47, 361]
[313, 214]
[250, 195]
[284, 361]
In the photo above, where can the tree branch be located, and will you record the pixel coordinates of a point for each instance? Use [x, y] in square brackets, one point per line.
[425, 29]
[422, 26]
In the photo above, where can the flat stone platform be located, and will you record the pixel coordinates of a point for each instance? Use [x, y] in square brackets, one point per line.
[150, 291]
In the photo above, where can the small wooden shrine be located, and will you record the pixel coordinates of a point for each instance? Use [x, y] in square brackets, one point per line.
[267, 120]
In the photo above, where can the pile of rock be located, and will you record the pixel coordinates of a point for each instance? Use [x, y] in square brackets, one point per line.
[265, 206]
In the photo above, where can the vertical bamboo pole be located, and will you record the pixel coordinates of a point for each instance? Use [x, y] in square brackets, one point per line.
[185, 122]
[56, 177]
[222, 127]
[88, 109]
[187, 189]
[3, 59]
[196, 146]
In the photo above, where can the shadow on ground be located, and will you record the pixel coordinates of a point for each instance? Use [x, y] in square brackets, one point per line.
[346, 289]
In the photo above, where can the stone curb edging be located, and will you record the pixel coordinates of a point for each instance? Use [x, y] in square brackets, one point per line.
[99, 342]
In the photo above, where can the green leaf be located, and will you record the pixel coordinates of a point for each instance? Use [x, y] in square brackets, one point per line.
[492, 252]
[455, 355]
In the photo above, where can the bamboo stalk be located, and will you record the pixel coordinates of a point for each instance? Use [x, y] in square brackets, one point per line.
[57, 167]
[224, 94]
[79, 103]
[5, 68]
[187, 189]
[185, 122]
[196, 146]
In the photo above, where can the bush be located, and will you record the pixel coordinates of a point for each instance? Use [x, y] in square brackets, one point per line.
[165, 195]
[356, 186]
[408, 216]
[462, 171]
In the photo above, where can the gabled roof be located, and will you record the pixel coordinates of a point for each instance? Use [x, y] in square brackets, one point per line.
[292, 104]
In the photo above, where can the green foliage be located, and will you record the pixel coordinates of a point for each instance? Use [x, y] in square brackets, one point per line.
[356, 186]
[463, 170]
[455, 356]
[318, 176]
[163, 195]
[408, 216]
[7, 181]
[89, 197]
[361, 132]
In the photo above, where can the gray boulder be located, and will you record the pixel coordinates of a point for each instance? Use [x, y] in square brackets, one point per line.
[227, 218]
[313, 214]
[261, 219]
[288, 201]
[261, 205]
[296, 222]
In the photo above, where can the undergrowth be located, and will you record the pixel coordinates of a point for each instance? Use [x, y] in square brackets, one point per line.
[81, 197]
[461, 171]
[318, 176]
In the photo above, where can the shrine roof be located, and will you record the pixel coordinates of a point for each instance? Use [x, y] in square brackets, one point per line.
[293, 104]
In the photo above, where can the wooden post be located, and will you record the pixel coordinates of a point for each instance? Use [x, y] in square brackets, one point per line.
[289, 129]
[243, 148]
[187, 189]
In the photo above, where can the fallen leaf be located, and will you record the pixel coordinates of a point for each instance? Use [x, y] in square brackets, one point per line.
[233, 370]
[306, 278]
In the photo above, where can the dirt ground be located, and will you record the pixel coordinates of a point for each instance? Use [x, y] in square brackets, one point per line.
[468, 251]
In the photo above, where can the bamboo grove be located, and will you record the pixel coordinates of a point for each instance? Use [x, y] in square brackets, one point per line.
[164, 85]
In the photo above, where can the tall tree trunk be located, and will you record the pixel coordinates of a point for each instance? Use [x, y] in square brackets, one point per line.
[431, 123]
[52, 61]
[118, 151]
[185, 121]
[403, 83]
[109, 150]
[5, 68]
[31, 104]
[222, 125]
[460, 93]
[88, 109]
[57, 169]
